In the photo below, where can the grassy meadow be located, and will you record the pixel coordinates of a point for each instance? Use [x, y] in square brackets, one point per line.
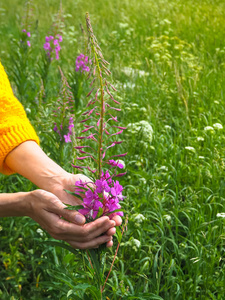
[167, 59]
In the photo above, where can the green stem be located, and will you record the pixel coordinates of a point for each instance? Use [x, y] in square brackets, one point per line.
[102, 114]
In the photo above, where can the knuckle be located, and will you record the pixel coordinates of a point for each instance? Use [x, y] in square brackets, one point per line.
[55, 232]
[54, 235]
[82, 247]
[84, 232]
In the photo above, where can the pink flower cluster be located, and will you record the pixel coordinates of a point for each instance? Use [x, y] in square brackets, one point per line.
[52, 44]
[28, 34]
[104, 197]
[67, 137]
[82, 63]
[60, 129]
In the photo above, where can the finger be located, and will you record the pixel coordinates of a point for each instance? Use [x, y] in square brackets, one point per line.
[59, 208]
[117, 219]
[111, 231]
[94, 243]
[85, 233]
[100, 226]
[73, 216]
[109, 244]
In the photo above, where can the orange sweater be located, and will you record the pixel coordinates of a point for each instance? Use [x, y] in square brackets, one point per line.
[15, 128]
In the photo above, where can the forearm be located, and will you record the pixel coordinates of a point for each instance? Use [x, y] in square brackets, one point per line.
[14, 204]
[30, 161]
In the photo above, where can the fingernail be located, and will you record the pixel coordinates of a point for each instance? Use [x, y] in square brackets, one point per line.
[79, 219]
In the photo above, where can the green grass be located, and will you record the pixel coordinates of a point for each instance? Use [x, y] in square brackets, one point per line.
[176, 250]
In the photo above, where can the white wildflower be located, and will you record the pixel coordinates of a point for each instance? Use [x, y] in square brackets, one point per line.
[143, 110]
[191, 149]
[143, 73]
[28, 110]
[163, 168]
[143, 128]
[134, 105]
[136, 243]
[132, 72]
[200, 139]
[221, 215]
[40, 231]
[209, 128]
[138, 218]
[143, 180]
[128, 71]
[167, 127]
[201, 157]
[123, 25]
[218, 126]
[129, 85]
[167, 218]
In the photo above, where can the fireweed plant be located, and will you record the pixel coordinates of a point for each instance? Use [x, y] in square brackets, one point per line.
[52, 42]
[20, 53]
[51, 47]
[25, 37]
[99, 129]
[77, 77]
[102, 196]
[63, 113]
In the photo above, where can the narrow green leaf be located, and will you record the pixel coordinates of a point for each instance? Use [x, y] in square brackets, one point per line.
[74, 194]
[94, 254]
[62, 245]
[75, 207]
[118, 234]
[100, 212]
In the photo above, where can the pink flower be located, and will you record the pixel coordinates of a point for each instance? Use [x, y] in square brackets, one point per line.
[106, 196]
[51, 45]
[115, 163]
[60, 37]
[47, 46]
[28, 43]
[82, 63]
[67, 138]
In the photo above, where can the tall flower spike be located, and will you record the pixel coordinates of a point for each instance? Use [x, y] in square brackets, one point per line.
[100, 105]
[101, 133]
[65, 104]
[52, 41]
[27, 23]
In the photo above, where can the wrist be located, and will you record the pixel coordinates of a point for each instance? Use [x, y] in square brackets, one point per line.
[56, 181]
[14, 204]
[31, 162]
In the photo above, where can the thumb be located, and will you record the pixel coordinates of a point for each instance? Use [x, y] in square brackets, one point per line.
[73, 216]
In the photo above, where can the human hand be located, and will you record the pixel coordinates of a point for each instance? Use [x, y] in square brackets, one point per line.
[46, 209]
[67, 182]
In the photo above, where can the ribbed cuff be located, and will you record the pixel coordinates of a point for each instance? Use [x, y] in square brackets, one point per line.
[12, 138]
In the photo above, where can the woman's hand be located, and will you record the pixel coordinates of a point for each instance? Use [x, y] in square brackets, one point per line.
[67, 182]
[68, 225]
[31, 162]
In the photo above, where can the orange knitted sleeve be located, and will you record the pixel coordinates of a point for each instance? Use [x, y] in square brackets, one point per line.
[15, 127]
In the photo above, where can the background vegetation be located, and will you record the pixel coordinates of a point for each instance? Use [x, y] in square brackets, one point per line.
[167, 60]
